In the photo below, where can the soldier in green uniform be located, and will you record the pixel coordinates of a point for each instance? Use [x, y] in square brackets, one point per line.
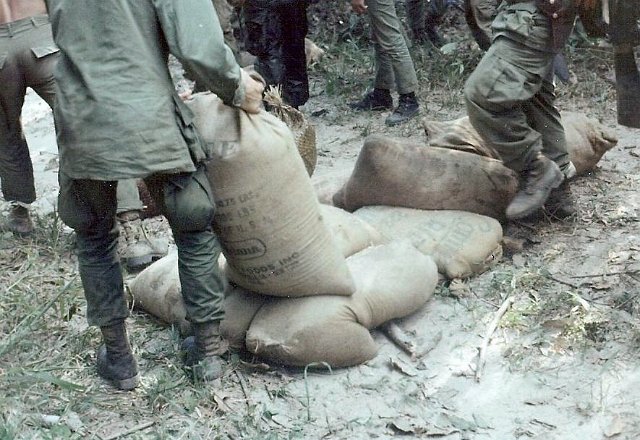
[118, 116]
[510, 101]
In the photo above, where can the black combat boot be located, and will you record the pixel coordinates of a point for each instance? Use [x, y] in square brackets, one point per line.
[541, 177]
[377, 99]
[408, 107]
[19, 220]
[201, 352]
[561, 204]
[115, 361]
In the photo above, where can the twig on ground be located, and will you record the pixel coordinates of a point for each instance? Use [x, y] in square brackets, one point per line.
[491, 328]
[400, 337]
[140, 427]
[243, 386]
[558, 280]
[604, 274]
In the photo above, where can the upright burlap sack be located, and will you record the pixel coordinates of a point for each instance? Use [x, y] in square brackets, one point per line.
[267, 215]
[587, 139]
[461, 243]
[392, 281]
[399, 173]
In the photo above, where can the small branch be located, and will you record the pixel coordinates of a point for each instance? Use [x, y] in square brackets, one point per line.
[558, 280]
[491, 328]
[243, 386]
[130, 431]
[596, 275]
[399, 337]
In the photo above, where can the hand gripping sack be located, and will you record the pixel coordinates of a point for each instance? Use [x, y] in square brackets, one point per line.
[267, 215]
[393, 173]
[392, 281]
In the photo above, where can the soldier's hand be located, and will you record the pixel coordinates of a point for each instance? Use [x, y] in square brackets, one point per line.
[359, 6]
[253, 89]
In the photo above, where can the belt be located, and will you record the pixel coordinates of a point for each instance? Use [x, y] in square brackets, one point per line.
[24, 24]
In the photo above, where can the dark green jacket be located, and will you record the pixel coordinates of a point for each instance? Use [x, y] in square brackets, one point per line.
[117, 113]
[539, 24]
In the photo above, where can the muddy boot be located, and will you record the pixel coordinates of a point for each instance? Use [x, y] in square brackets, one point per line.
[541, 176]
[136, 249]
[115, 361]
[19, 220]
[201, 352]
[377, 99]
[561, 204]
[408, 107]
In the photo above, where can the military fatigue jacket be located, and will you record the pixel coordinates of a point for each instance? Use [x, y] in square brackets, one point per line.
[117, 113]
[543, 25]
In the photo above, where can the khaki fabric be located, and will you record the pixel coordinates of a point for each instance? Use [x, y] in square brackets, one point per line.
[394, 66]
[27, 59]
[461, 243]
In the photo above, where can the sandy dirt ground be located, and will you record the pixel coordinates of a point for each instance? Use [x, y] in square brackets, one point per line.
[563, 364]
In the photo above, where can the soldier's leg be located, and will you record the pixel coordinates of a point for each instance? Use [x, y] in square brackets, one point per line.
[16, 168]
[187, 202]
[293, 30]
[508, 77]
[40, 62]
[544, 117]
[262, 39]
[89, 207]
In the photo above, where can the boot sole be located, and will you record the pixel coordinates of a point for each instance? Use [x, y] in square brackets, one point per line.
[558, 178]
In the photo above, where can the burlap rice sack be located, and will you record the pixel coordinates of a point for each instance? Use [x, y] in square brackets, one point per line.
[267, 215]
[587, 139]
[351, 233]
[461, 243]
[392, 281]
[156, 290]
[394, 173]
[328, 182]
[240, 307]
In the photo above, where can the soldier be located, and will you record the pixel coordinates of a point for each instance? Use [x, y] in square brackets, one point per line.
[25, 39]
[625, 35]
[275, 33]
[393, 63]
[119, 117]
[31, 56]
[510, 101]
